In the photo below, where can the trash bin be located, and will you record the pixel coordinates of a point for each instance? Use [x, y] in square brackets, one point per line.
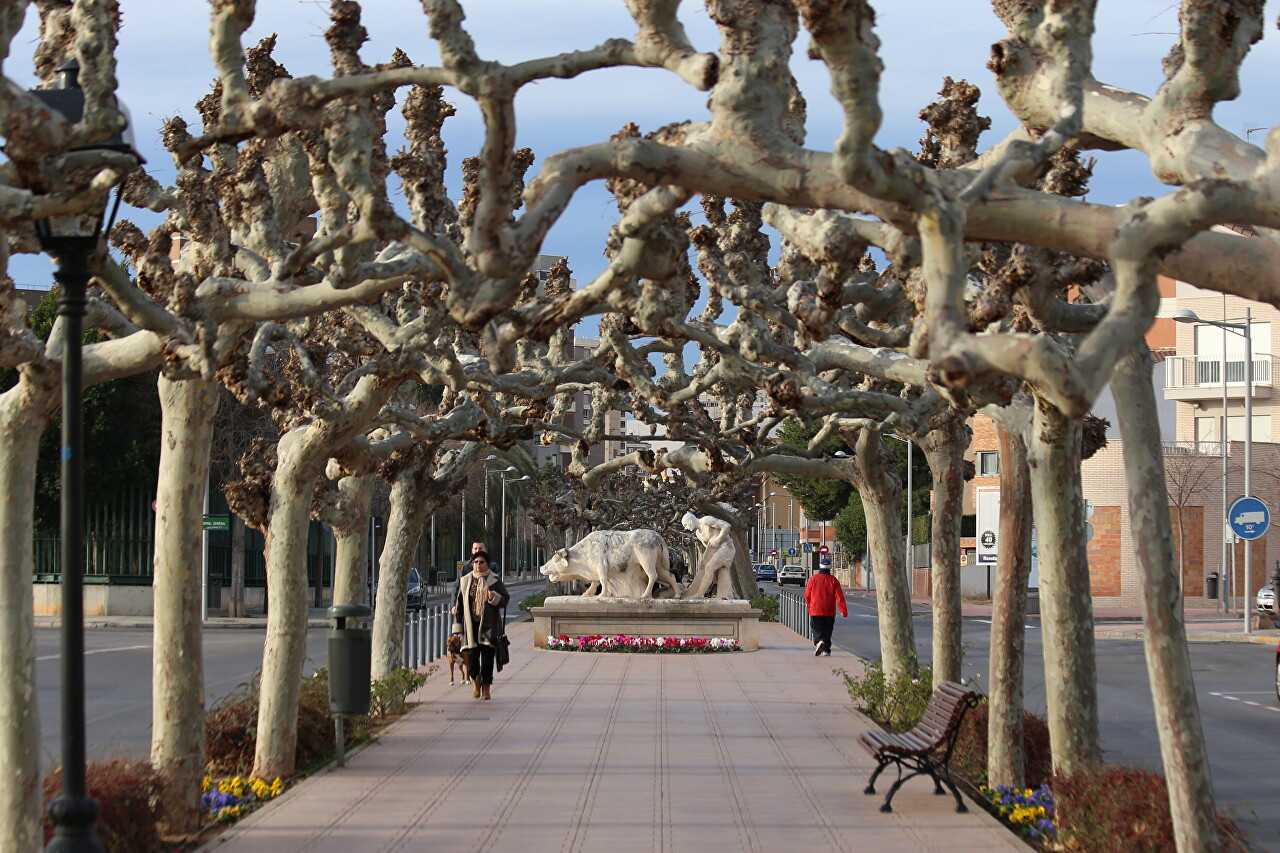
[433, 577]
[1211, 585]
[350, 657]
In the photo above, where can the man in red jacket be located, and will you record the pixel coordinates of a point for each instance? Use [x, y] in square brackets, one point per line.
[822, 595]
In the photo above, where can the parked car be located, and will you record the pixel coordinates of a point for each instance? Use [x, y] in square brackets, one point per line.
[792, 574]
[416, 592]
[765, 572]
[1266, 601]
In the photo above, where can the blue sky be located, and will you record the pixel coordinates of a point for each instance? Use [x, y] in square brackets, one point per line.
[164, 67]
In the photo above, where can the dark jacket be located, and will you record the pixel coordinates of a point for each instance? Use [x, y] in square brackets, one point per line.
[490, 627]
[823, 594]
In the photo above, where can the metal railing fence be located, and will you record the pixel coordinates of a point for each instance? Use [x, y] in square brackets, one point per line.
[1188, 371]
[425, 632]
[793, 613]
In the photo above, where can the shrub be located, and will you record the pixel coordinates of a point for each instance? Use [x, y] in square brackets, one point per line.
[1111, 809]
[389, 697]
[896, 704]
[535, 600]
[768, 607]
[128, 794]
[231, 724]
[970, 757]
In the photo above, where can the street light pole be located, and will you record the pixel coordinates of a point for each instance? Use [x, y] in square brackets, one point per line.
[1245, 330]
[1248, 458]
[1226, 467]
[906, 544]
[71, 240]
[503, 531]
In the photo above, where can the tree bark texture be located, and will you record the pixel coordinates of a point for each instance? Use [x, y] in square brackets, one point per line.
[1071, 678]
[1186, 762]
[298, 465]
[24, 413]
[944, 449]
[235, 606]
[187, 410]
[881, 493]
[351, 560]
[744, 577]
[1006, 754]
[409, 511]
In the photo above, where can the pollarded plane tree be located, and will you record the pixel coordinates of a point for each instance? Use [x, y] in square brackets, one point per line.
[240, 276]
[1043, 69]
[749, 149]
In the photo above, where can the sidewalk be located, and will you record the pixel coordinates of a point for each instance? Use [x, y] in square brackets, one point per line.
[618, 753]
[1204, 625]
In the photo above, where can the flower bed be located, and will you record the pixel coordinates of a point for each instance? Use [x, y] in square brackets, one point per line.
[624, 643]
[1029, 812]
[228, 800]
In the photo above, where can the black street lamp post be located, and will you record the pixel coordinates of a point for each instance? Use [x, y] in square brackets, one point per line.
[72, 241]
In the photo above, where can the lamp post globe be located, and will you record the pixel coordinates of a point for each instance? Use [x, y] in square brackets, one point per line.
[72, 240]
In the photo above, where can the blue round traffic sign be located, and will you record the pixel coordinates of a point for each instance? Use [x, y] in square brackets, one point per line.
[1249, 518]
[791, 552]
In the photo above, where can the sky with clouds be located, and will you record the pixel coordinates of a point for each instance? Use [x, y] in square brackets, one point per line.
[164, 67]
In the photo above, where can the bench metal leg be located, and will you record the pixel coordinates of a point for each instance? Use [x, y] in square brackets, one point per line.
[871, 783]
[960, 806]
[887, 805]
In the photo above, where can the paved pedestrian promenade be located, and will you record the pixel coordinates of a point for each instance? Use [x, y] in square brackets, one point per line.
[618, 753]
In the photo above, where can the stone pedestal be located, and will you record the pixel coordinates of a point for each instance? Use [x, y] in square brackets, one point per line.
[577, 616]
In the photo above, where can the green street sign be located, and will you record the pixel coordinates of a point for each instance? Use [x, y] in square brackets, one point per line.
[217, 522]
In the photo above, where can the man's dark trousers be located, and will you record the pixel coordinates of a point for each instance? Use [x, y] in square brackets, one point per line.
[821, 627]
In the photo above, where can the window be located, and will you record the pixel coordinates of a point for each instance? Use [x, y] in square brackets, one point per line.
[988, 463]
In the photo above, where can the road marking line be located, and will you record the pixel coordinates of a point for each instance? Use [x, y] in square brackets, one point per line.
[1255, 704]
[1246, 693]
[98, 651]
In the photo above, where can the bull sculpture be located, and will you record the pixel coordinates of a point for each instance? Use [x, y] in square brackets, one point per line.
[614, 563]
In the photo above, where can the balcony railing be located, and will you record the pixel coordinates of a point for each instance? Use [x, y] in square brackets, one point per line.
[1189, 371]
[1193, 448]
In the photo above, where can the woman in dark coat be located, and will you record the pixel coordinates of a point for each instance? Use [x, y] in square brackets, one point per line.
[477, 617]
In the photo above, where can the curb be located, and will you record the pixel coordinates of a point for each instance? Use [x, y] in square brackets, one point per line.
[1192, 637]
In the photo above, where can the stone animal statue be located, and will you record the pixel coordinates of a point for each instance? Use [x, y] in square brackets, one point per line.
[614, 562]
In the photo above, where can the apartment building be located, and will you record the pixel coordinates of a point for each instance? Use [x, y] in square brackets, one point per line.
[1204, 473]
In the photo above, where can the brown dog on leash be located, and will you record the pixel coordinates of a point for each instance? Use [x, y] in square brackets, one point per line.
[457, 658]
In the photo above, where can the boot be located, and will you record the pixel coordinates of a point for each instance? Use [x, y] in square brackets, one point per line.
[475, 688]
[484, 692]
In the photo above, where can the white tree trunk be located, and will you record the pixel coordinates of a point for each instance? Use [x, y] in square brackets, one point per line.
[22, 420]
[1186, 763]
[1006, 753]
[744, 577]
[350, 560]
[409, 511]
[944, 448]
[236, 607]
[893, 592]
[288, 521]
[177, 673]
[1071, 679]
